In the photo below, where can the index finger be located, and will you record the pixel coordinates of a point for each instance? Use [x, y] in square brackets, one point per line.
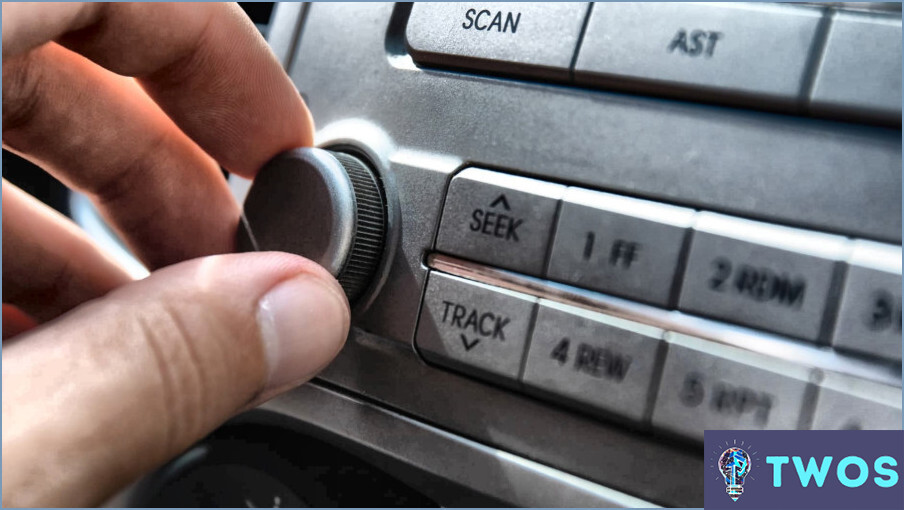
[205, 64]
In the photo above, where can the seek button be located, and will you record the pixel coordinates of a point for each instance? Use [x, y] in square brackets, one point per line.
[499, 219]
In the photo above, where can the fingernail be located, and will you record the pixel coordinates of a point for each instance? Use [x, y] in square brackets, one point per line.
[303, 323]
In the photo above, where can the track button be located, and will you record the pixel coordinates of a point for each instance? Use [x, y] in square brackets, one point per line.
[474, 327]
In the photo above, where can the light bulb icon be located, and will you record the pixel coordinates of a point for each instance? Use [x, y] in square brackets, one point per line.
[734, 465]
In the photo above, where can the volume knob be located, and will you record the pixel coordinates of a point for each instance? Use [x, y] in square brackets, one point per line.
[328, 206]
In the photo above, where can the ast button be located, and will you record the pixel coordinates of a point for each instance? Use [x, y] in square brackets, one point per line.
[706, 385]
[474, 327]
[753, 53]
[619, 245]
[499, 219]
[760, 275]
[519, 38]
[869, 319]
[593, 359]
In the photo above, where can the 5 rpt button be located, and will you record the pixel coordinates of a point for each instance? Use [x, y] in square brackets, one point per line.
[708, 386]
[760, 275]
[501, 220]
[474, 327]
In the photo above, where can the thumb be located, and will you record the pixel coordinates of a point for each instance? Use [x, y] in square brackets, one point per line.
[116, 387]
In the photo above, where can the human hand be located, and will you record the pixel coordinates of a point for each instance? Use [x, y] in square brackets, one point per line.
[119, 376]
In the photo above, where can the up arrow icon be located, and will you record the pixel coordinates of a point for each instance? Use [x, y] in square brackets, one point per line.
[499, 223]
[501, 200]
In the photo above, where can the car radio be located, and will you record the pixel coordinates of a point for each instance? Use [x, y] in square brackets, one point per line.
[578, 235]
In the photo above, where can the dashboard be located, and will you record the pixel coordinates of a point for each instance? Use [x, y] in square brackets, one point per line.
[608, 228]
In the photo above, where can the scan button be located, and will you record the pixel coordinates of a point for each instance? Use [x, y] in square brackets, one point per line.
[474, 327]
[538, 39]
[498, 219]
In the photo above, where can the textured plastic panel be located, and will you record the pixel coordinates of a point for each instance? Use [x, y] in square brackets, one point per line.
[420, 125]
[767, 166]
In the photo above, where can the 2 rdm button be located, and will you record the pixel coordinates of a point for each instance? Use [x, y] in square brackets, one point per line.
[499, 219]
[760, 275]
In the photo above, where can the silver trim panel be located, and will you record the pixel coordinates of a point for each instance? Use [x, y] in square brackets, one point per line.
[495, 473]
[285, 28]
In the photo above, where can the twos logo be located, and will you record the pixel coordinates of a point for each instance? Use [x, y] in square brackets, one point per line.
[887, 477]
[804, 469]
[734, 463]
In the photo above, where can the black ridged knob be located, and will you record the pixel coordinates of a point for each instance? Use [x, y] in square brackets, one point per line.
[324, 205]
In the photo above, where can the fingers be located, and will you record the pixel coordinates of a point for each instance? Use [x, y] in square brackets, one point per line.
[145, 371]
[15, 321]
[30, 24]
[204, 63]
[100, 133]
[49, 265]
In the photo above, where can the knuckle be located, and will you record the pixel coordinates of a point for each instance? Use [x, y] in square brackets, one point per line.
[130, 177]
[21, 91]
[201, 378]
[183, 379]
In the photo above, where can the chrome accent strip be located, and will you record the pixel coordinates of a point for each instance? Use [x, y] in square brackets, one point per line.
[877, 256]
[795, 351]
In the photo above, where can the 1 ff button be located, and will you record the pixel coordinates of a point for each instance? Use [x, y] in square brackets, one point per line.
[498, 219]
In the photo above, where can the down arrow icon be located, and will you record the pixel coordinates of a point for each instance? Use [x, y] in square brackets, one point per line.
[469, 344]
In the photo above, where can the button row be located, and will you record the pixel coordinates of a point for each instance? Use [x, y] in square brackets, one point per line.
[740, 53]
[639, 373]
[765, 276]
